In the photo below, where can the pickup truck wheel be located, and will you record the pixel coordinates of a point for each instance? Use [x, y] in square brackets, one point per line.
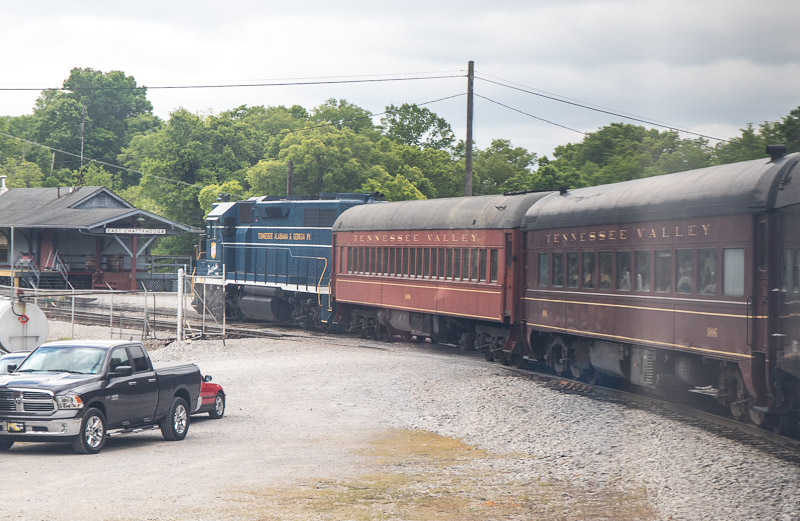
[219, 407]
[92, 436]
[5, 444]
[176, 424]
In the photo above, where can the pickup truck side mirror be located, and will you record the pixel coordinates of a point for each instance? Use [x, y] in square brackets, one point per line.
[207, 378]
[122, 370]
[11, 368]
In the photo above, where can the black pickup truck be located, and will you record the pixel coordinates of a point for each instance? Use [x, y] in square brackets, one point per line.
[84, 391]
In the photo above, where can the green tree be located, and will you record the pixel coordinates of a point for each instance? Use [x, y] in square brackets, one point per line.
[393, 188]
[100, 106]
[502, 168]
[409, 124]
[342, 114]
[209, 194]
[21, 173]
[750, 145]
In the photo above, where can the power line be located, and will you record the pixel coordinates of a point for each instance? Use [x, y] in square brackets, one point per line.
[604, 111]
[531, 115]
[238, 85]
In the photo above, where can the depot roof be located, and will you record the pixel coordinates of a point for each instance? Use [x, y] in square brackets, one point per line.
[89, 208]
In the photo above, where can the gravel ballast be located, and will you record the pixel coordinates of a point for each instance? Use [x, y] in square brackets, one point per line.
[303, 407]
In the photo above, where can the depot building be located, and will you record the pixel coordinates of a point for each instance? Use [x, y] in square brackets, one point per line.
[83, 238]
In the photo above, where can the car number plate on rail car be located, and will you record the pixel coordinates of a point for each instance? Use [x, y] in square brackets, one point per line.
[15, 426]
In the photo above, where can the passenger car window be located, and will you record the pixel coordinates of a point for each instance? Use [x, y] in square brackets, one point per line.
[663, 271]
[606, 269]
[624, 270]
[642, 259]
[558, 270]
[588, 269]
[733, 272]
[707, 271]
[573, 269]
[544, 270]
[684, 271]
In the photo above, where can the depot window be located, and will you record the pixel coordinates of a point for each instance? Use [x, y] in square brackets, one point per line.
[3, 248]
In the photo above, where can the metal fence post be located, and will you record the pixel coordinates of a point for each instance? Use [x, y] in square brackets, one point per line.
[180, 304]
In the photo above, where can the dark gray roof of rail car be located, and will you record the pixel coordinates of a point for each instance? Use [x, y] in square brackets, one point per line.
[746, 187]
[453, 213]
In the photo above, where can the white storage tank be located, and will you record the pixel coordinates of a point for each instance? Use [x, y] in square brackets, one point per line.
[23, 326]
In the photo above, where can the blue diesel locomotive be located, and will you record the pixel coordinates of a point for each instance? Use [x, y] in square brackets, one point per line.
[273, 256]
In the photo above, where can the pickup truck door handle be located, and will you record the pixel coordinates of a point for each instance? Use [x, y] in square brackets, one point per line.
[131, 383]
[151, 380]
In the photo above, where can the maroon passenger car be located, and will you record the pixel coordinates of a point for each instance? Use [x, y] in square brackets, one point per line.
[675, 282]
[446, 269]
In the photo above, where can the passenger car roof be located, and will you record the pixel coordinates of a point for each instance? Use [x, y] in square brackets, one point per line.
[452, 213]
[746, 187]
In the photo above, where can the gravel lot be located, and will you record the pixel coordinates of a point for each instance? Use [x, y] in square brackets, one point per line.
[343, 428]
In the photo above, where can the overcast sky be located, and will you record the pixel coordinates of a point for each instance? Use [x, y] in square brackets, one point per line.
[710, 66]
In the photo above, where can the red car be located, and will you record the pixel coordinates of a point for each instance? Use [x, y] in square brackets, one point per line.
[213, 399]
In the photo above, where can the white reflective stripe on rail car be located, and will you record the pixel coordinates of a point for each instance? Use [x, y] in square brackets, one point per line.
[281, 244]
[288, 287]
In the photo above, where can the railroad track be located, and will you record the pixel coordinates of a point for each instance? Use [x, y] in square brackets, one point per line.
[133, 319]
[782, 447]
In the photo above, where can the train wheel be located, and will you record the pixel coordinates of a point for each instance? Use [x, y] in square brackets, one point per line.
[576, 371]
[736, 396]
[792, 425]
[387, 334]
[467, 342]
[558, 353]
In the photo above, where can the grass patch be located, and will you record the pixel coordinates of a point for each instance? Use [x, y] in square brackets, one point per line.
[420, 476]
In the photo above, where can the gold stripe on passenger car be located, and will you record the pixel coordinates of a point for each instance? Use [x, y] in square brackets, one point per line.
[496, 292]
[643, 308]
[412, 308]
[642, 340]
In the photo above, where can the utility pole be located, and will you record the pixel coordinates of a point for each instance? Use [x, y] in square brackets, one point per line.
[83, 123]
[468, 158]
